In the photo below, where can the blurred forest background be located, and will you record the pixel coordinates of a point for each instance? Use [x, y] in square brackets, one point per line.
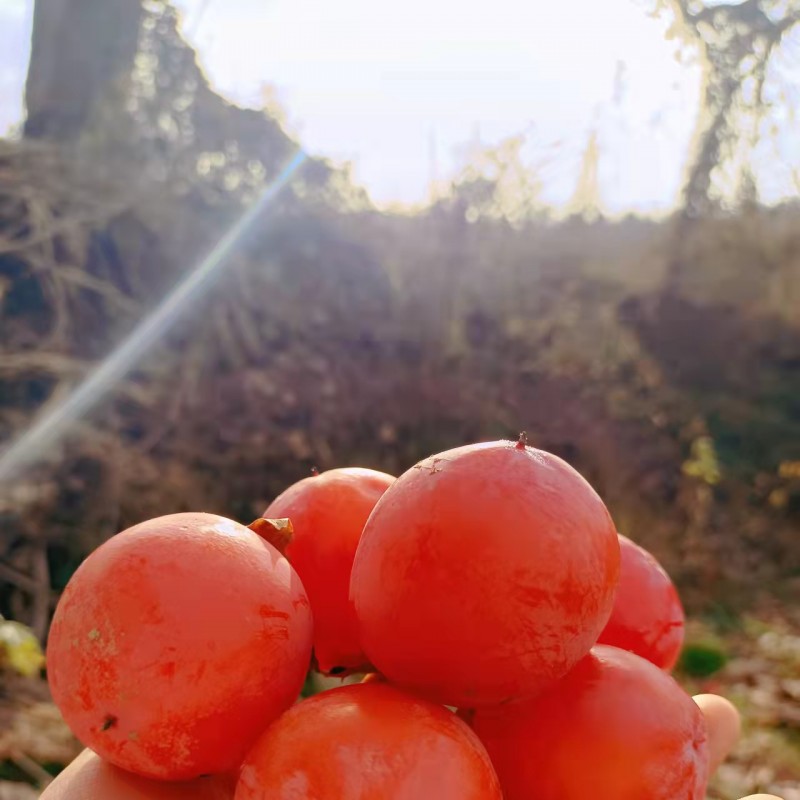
[661, 357]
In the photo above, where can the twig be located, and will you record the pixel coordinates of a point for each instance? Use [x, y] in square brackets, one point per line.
[26, 583]
[56, 229]
[42, 595]
[29, 766]
[18, 579]
[84, 280]
[41, 361]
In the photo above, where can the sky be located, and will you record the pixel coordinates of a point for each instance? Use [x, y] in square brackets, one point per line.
[402, 90]
[14, 51]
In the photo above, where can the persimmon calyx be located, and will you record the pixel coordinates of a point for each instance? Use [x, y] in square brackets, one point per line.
[278, 532]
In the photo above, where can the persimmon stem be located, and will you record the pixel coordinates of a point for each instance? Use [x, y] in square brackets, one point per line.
[278, 532]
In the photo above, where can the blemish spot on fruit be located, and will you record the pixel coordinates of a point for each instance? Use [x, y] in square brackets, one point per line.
[93, 634]
[133, 736]
[109, 722]
[431, 464]
[265, 612]
[168, 669]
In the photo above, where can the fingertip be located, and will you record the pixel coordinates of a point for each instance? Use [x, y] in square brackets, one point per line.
[761, 797]
[724, 728]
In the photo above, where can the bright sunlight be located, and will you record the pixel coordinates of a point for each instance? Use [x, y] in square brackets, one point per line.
[407, 94]
[404, 95]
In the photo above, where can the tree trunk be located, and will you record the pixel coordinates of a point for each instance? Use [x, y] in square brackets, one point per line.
[79, 48]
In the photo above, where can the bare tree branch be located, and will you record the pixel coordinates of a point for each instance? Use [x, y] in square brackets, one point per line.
[24, 582]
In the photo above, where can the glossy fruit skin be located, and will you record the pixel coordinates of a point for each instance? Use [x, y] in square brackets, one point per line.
[616, 728]
[176, 642]
[91, 778]
[328, 512]
[368, 742]
[648, 617]
[484, 574]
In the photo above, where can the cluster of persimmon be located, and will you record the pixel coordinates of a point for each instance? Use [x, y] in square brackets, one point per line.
[516, 646]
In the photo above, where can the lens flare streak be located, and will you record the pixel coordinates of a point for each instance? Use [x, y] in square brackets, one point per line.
[45, 432]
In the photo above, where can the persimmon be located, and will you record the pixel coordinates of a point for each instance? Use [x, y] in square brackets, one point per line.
[647, 617]
[176, 643]
[368, 742]
[328, 512]
[615, 728]
[91, 778]
[484, 574]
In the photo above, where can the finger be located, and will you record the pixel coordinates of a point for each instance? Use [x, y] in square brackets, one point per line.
[90, 777]
[724, 727]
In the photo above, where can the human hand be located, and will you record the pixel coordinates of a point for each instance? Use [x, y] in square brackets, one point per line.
[88, 777]
[724, 727]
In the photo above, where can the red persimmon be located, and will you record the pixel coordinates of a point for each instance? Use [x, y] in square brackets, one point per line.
[648, 617]
[176, 642]
[615, 728]
[328, 512]
[484, 574]
[368, 742]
